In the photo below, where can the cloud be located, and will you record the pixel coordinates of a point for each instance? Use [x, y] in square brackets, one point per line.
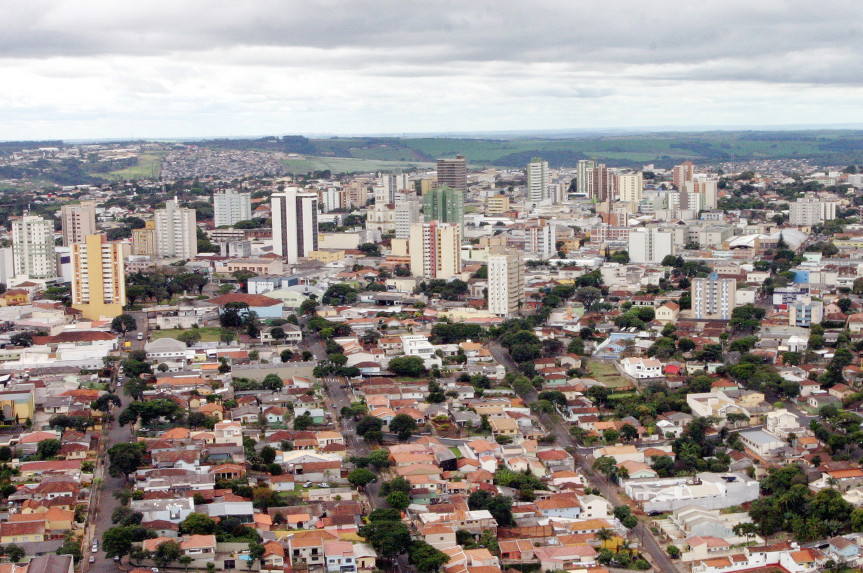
[170, 66]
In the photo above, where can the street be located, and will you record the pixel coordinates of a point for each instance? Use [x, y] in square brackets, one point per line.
[607, 489]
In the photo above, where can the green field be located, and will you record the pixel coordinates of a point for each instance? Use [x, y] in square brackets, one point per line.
[607, 374]
[350, 165]
[208, 333]
[148, 167]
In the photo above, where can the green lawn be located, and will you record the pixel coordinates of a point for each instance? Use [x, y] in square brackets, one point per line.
[607, 374]
[148, 167]
[456, 452]
[208, 333]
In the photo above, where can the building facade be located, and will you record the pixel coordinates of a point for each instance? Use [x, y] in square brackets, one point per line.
[230, 207]
[452, 173]
[295, 223]
[713, 297]
[505, 281]
[78, 221]
[176, 233]
[144, 240]
[98, 277]
[435, 250]
[650, 245]
[537, 180]
[33, 247]
[444, 204]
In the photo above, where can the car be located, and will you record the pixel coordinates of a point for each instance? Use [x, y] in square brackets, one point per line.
[92, 559]
[140, 336]
[308, 484]
[116, 558]
[323, 485]
[94, 549]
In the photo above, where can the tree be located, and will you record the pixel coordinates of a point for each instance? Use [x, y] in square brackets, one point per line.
[302, 423]
[190, 337]
[286, 355]
[427, 558]
[167, 553]
[500, 508]
[103, 402]
[14, 552]
[361, 477]
[388, 538]
[272, 382]
[23, 339]
[368, 424]
[268, 454]
[385, 514]
[256, 552]
[380, 459]
[198, 524]
[47, 449]
[673, 551]
[134, 388]
[125, 458]
[124, 323]
[588, 296]
[411, 366]
[117, 541]
[403, 425]
[398, 500]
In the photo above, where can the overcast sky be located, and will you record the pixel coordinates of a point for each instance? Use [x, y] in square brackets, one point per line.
[177, 68]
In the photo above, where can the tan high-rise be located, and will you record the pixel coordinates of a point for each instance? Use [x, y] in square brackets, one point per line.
[505, 281]
[435, 250]
[78, 222]
[144, 240]
[98, 277]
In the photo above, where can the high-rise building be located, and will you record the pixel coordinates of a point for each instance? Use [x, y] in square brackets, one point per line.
[98, 277]
[452, 173]
[295, 223]
[601, 184]
[391, 183]
[713, 297]
[542, 240]
[497, 205]
[33, 247]
[78, 221]
[176, 233]
[682, 173]
[810, 210]
[357, 193]
[630, 187]
[537, 180]
[333, 198]
[505, 281]
[407, 213]
[583, 176]
[649, 245]
[444, 204]
[705, 187]
[230, 207]
[144, 240]
[435, 250]
[805, 312]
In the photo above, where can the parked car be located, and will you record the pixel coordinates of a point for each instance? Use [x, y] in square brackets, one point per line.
[92, 559]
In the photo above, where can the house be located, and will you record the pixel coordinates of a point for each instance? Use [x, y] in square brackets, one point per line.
[274, 555]
[640, 368]
[24, 532]
[667, 313]
[705, 489]
[439, 536]
[339, 557]
[761, 442]
[565, 558]
[199, 546]
[561, 505]
[264, 306]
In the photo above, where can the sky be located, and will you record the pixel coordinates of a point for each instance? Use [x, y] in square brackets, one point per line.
[90, 69]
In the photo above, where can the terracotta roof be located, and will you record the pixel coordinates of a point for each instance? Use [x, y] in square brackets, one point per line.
[252, 300]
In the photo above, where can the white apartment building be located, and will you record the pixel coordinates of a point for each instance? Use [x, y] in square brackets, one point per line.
[78, 221]
[435, 249]
[33, 248]
[713, 298]
[505, 281]
[176, 233]
[231, 207]
[630, 187]
[391, 183]
[407, 213]
[810, 210]
[537, 180]
[295, 223]
[333, 198]
[650, 245]
[706, 187]
[583, 176]
[542, 240]
[419, 345]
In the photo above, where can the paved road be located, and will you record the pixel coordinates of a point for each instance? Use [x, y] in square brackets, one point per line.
[105, 501]
[607, 489]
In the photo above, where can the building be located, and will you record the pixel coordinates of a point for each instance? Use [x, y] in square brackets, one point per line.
[505, 281]
[78, 221]
[805, 311]
[706, 187]
[391, 183]
[176, 233]
[496, 205]
[452, 173]
[144, 240]
[230, 207]
[810, 210]
[706, 490]
[583, 176]
[295, 223]
[435, 250]
[33, 248]
[713, 297]
[407, 213]
[98, 277]
[444, 204]
[682, 173]
[600, 184]
[650, 245]
[630, 187]
[542, 240]
[537, 180]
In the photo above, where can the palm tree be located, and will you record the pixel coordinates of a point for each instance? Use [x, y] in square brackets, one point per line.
[604, 535]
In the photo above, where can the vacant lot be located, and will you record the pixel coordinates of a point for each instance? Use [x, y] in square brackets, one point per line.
[607, 374]
[208, 333]
[149, 166]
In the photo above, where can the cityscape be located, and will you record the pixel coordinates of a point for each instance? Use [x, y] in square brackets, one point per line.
[402, 288]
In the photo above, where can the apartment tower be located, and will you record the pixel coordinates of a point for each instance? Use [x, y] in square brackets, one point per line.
[537, 180]
[230, 207]
[33, 248]
[98, 277]
[444, 204]
[176, 232]
[435, 250]
[505, 281]
[78, 221]
[295, 223]
[452, 173]
[713, 297]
